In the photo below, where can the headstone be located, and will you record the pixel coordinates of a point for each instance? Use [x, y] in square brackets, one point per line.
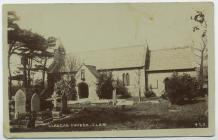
[35, 103]
[20, 102]
[64, 103]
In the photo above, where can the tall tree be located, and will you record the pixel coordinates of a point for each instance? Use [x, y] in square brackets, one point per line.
[33, 44]
[14, 43]
[28, 46]
[201, 27]
[44, 56]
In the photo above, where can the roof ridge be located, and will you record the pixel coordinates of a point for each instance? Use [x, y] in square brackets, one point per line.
[113, 48]
[171, 48]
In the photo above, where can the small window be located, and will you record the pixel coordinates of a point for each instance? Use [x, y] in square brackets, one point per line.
[124, 79]
[83, 74]
[127, 79]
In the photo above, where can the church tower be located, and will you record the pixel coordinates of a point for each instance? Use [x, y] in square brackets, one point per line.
[54, 70]
[59, 54]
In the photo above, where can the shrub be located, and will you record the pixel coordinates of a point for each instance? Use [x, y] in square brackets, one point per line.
[122, 91]
[149, 94]
[180, 87]
[67, 87]
[105, 88]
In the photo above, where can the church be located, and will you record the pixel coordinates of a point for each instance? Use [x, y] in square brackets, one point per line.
[138, 67]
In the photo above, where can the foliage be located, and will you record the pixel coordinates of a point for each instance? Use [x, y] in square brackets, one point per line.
[64, 86]
[31, 47]
[105, 88]
[200, 27]
[122, 91]
[181, 87]
[149, 93]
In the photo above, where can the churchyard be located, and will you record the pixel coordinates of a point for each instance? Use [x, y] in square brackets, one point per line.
[127, 114]
[123, 88]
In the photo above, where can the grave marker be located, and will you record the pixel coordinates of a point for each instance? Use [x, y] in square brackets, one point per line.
[20, 102]
[35, 103]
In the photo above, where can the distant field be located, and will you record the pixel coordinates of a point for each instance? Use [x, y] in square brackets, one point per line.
[144, 115]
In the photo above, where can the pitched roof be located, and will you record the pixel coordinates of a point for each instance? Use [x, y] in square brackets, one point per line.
[172, 58]
[58, 68]
[123, 57]
[93, 70]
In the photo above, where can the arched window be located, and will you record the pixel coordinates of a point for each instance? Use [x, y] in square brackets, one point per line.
[127, 79]
[124, 79]
[83, 74]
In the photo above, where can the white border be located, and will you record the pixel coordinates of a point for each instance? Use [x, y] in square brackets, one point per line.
[110, 1]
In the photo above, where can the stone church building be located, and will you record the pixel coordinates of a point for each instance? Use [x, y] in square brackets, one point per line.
[138, 67]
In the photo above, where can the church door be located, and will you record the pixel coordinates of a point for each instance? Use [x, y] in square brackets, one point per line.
[83, 90]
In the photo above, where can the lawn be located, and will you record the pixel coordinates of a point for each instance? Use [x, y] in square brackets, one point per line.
[143, 115]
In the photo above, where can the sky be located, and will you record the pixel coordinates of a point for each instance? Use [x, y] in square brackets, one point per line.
[97, 26]
[82, 27]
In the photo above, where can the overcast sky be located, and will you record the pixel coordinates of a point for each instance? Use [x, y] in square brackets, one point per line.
[97, 26]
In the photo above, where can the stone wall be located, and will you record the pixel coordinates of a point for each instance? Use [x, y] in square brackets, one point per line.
[156, 80]
[136, 79]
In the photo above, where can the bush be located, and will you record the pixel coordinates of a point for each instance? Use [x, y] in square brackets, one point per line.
[181, 87]
[67, 87]
[122, 91]
[149, 94]
[105, 88]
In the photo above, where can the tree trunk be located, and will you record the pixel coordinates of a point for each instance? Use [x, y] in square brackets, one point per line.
[201, 72]
[9, 78]
[29, 78]
[25, 76]
[29, 72]
[43, 73]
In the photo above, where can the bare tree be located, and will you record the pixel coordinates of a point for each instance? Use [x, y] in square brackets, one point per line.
[72, 63]
[201, 27]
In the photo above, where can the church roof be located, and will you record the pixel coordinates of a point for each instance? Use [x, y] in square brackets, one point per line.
[114, 58]
[93, 70]
[172, 58]
[131, 57]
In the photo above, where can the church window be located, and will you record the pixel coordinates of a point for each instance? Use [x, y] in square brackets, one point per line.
[124, 79]
[127, 79]
[82, 74]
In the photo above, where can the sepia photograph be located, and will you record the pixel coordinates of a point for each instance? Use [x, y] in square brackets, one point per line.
[108, 69]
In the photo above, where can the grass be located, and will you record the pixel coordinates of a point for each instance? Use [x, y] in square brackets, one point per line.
[144, 115]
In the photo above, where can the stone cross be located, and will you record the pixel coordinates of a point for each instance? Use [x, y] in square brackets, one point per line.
[35, 103]
[20, 102]
[55, 102]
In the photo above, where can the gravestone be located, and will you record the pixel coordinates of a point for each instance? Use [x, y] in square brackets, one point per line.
[35, 103]
[20, 102]
[64, 103]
